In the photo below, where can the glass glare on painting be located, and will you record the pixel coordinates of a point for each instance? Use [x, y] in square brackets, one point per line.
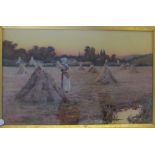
[58, 77]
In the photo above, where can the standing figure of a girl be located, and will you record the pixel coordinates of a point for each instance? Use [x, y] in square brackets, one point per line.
[65, 77]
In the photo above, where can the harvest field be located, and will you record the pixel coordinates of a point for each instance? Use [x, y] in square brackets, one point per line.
[88, 99]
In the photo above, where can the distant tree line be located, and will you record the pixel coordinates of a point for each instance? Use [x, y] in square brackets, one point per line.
[11, 52]
[48, 54]
[97, 58]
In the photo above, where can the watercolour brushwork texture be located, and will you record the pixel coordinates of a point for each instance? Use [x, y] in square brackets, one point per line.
[57, 77]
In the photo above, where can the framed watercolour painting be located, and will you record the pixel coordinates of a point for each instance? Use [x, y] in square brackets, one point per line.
[77, 76]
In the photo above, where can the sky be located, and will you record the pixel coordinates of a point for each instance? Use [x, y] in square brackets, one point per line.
[73, 42]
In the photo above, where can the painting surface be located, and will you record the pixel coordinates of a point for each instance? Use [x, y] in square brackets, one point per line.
[53, 77]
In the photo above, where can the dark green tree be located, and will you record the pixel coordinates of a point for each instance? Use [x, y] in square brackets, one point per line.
[113, 58]
[9, 49]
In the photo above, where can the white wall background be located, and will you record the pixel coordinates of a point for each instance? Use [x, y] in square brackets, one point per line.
[77, 141]
[77, 12]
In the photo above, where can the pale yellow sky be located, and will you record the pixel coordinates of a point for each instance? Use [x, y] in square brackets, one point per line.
[74, 41]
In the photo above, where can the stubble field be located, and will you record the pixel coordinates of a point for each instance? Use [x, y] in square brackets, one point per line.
[85, 92]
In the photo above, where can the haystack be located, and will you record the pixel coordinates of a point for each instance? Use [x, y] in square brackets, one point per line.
[123, 67]
[106, 76]
[32, 62]
[19, 61]
[39, 64]
[133, 69]
[22, 69]
[118, 62]
[41, 87]
[92, 69]
[81, 67]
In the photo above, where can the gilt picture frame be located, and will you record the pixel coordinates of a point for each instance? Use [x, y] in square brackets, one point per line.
[80, 64]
